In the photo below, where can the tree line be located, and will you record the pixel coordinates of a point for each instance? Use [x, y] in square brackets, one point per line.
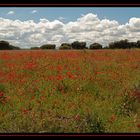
[122, 44]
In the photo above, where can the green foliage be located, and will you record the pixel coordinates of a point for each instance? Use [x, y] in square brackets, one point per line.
[4, 45]
[2, 96]
[138, 44]
[34, 48]
[65, 46]
[78, 45]
[92, 123]
[127, 104]
[123, 44]
[106, 47]
[48, 46]
[95, 46]
[91, 88]
[2, 88]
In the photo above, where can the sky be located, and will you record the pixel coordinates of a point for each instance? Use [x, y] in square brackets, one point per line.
[34, 26]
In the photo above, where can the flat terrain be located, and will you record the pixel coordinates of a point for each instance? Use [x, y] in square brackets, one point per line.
[70, 91]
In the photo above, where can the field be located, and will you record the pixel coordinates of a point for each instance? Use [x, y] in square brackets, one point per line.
[70, 91]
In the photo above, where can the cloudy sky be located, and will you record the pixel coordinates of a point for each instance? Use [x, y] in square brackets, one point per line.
[33, 26]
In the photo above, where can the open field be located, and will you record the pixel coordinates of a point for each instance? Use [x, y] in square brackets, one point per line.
[70, 91]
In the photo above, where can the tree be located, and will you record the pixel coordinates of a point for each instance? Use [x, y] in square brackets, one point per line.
[132, 45]
[34, 48]
[48, 46]
[4, 45]
[106, 47]
[14, 47]
[122, 44]
[78, 45]
[65, 46]
[95, 46]
[138, 44]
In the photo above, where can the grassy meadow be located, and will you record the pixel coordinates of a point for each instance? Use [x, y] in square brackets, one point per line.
[70, 91]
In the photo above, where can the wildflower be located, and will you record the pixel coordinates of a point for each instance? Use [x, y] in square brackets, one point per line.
[70, 75]
[1, 94]
[59, 68]
[8, 98]
[2, 98]
[23, 110]
[78, 68]
[29, 66]
[20, 93]
[33, 97]
[59, 77]
[112, 119]
[42, 97]
[138, 125]
[38, 101]
[77, 118]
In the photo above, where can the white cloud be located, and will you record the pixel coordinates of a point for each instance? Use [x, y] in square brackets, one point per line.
[87, 28]
[61, 18]
[11, 13]
[34, 12]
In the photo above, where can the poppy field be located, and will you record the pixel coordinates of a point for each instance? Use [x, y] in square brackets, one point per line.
[62, 91]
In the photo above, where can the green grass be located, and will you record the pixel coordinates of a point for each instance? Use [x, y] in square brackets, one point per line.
[69, 91]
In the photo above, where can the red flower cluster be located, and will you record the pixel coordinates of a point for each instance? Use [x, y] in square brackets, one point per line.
[112, 119]
[1, 94]
[70, 75]
[29, 66]
[59, 68]
[138, 125]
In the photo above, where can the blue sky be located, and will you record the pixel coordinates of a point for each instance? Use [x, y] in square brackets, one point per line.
[34, 26]
[121, 14]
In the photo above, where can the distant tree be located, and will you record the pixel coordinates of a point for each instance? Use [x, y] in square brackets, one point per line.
[65, 46]
[34, 48]
[4, 45]
[138, 44]
[106, 47]
[132, 45]
[122, 44]
[48, 46]
[14, 47]
[112, 45]
[86, 47]
[78, 45]
[95, 46]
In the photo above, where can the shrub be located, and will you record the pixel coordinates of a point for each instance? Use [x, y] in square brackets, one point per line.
[78, 45]
[2, 96]
[35, 48]
[48, 46]
[92, 123]
[127, 104]
[4, 45]
[65, 46]
[138, 44]
[95, 46]
[2, 88]
[122, 44]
